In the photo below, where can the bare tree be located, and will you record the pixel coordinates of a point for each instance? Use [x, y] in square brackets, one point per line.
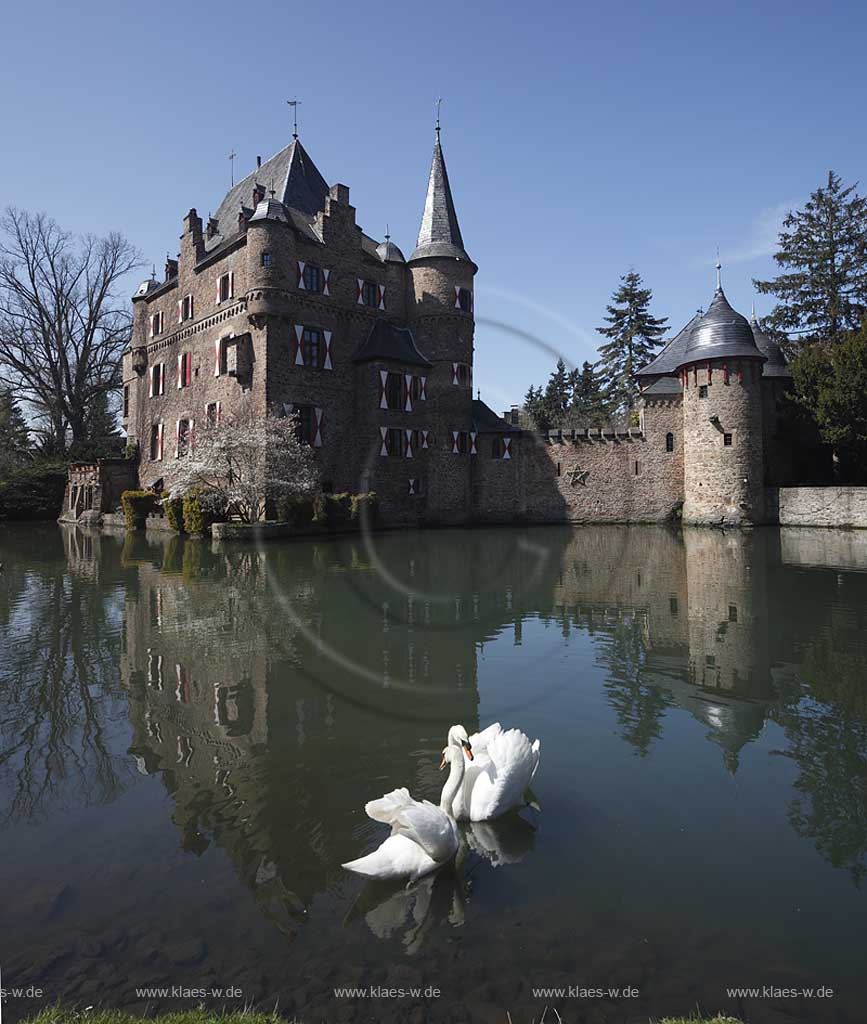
[62, 328]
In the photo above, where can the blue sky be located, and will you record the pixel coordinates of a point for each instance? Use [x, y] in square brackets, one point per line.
[581, 140]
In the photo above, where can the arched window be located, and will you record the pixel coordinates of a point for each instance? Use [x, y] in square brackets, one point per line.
[669, 442]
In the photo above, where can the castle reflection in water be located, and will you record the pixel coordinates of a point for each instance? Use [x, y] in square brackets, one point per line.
[251, 673]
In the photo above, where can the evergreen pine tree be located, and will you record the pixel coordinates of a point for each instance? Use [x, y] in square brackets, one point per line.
[588, 407]
[558, 394]
[14, 435]
[823, 251]
[634, 335]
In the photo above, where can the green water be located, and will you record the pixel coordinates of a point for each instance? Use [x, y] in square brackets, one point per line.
[188, 735]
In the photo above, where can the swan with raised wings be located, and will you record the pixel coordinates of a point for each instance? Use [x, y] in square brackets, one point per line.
[504, 763]
[423, 836]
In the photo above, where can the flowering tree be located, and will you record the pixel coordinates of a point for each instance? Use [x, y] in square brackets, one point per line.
[245, 461]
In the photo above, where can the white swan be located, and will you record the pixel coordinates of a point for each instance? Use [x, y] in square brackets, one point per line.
[423, 836]
[504, 763]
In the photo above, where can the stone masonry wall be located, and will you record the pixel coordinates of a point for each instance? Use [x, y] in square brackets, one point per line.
[818, 506]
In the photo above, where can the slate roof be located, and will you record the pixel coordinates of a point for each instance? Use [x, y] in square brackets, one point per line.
[388, 252]
[721, 332]
[776, 366]
[387, 341]
[670, 358]
[270, 209]
[664, 386]
[486, 421]
[295, 179]
[439, 233]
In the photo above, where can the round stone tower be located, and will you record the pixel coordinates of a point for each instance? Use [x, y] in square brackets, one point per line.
[439, 307]
[270, 253]
[723, 451]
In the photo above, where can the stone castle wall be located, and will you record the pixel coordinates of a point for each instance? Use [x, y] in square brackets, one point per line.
[818, 506]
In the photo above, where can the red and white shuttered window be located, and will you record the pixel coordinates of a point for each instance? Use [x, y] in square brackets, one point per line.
[463, 299]
[225, 288]
[157, 380]
[462, 375]
[157, 324]
[312, 347]
[392, 441]
[185, 369]
[412, 442]
[185, 308]
[183, 437]
[414, 390]
[310, 420]
[156, 450]
[464, 442]
[369, 293]
[501, 447]
[219, 357]
[313, 279]
[212, 414]
[414, 485]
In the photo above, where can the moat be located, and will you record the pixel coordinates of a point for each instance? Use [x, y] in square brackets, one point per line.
[189, 732]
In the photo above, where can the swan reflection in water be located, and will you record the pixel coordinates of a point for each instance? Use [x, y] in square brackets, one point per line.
[393, 908]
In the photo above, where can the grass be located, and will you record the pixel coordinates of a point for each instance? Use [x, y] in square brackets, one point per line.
[59, 1015]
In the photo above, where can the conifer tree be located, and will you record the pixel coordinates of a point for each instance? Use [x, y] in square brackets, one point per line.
[588, 405]
[823, 251]
[634, 335]
[14, 435]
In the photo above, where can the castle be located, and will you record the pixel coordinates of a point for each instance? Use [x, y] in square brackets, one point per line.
[281, 303]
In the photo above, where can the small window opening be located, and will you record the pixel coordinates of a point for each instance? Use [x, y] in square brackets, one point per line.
[702, 391]
[727, 440]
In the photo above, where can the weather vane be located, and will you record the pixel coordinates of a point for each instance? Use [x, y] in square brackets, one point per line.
[232, 156]
[439, 102]
[294, 104]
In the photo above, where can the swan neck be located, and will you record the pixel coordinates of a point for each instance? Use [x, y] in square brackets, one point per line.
[453, 784]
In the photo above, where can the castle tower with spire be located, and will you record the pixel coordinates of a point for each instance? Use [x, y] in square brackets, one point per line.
[440, 315]
[723, 446]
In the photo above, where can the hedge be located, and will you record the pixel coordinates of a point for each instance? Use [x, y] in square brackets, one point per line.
[137, 505]
[364, 508]
[32, 493]
[173, 509]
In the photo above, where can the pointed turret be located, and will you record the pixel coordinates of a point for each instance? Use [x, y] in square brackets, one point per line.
[439, 234]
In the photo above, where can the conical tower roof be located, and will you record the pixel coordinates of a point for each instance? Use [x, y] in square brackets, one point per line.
[721, 333]
[439, 234]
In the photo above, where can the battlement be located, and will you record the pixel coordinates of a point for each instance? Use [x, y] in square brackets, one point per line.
[610, 435]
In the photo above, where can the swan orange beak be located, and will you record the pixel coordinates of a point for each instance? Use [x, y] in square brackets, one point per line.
[443, 762]
[468, 750]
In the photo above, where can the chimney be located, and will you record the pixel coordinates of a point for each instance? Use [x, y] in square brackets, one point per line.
[258, 162]
[192, 240]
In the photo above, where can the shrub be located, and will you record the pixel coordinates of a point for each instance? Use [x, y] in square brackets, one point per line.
[32, 493]
[174, 512]
[201, 509]
[298, 512]
[364, 507]
[338, 510]
[137, 505]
